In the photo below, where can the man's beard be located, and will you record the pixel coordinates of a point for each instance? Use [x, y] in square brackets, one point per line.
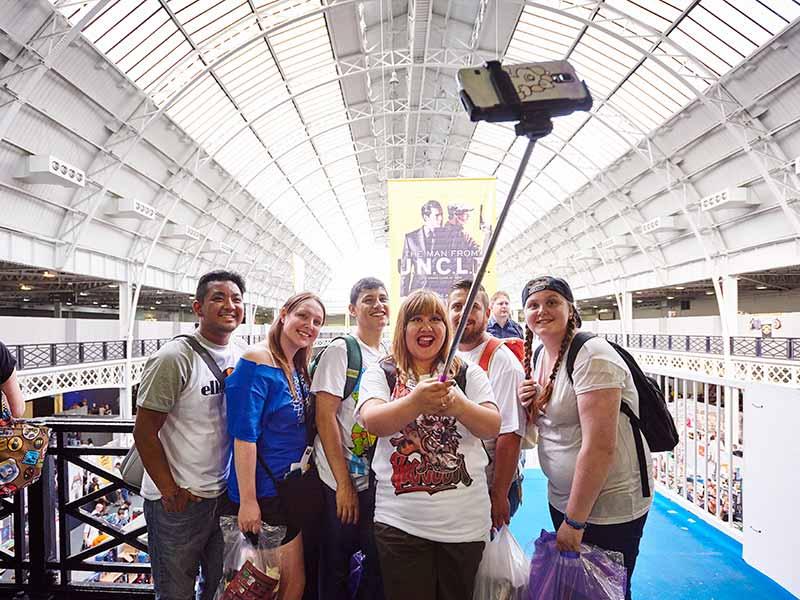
[471, 335]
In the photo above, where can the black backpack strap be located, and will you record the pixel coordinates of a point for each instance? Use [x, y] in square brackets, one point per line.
[637, 439]
[536, 354]
[461, 378]
[575, 345]
[206, 356]
[390, 372]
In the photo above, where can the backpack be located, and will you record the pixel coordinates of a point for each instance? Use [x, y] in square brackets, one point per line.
[354, 363]
[654, 421]
[516, 345]
[352, 376]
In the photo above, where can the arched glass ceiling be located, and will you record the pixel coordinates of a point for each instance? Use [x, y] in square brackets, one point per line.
[262, 87]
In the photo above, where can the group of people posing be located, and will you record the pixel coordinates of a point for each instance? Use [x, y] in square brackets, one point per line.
[411, 466]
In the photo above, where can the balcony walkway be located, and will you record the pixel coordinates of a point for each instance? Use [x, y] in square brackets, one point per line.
[681, 557]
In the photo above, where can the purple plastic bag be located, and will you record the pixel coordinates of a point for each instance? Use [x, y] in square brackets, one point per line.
[356, 570]
[592, 574]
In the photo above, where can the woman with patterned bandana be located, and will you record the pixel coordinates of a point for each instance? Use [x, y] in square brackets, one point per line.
[586, 449]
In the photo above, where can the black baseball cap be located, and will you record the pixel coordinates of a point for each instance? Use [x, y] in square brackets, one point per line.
[546, 282]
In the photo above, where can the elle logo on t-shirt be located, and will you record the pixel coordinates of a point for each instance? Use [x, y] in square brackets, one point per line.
[212, 389]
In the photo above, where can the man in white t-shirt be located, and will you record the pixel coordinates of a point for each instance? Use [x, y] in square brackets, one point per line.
[182, 438]
[343, 450]
[505, 374]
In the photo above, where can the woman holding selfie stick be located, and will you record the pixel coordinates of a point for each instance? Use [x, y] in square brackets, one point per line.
[432, 513]
[266, 402]
[586, 449]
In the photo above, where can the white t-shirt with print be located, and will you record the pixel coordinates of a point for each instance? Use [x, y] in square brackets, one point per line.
[178, 382]
[597, 367]
[330, 377]
[431, 477]
[505, 375]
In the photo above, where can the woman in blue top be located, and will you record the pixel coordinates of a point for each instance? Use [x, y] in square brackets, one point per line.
[266, 396]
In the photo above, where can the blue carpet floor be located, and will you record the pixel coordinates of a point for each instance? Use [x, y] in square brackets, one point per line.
[680, 558]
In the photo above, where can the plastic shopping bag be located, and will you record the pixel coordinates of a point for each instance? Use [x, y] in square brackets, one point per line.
[591, 574]
[250, 562]
[356, 570]
[503, 572]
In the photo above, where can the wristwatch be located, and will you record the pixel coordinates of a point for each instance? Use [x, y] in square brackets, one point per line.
[575, 524]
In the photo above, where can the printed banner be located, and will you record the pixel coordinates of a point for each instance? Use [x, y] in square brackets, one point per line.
[438, 232]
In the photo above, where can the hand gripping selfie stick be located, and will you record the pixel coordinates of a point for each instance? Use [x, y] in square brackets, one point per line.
[534, 123]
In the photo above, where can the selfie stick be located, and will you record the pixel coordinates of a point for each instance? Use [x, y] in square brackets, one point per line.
[533, 126]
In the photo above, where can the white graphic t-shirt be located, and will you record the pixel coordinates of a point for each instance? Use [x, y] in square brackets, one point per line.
[505, 375]
[431, 475]
[330, 377]
[178, 382]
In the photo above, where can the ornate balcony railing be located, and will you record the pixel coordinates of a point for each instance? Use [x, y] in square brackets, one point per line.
[743, 346]
[61, 354]
[58, 539]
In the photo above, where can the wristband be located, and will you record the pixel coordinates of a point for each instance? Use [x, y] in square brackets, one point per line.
[575, 524]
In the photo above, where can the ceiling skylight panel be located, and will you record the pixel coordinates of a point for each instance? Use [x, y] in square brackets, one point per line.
[701, 43]
[662, 81]
[601, 145]
[112, 23]
[474, 165]
[333, 144]
[656, 93]
[248, 62]
[638, 111]
[281, 129]
[772, 14]
[730, 27]
[656, 14]
[206, 27]
[204, 92]
[140, 39]
[117, 41]
[161, 43]
[235, 155]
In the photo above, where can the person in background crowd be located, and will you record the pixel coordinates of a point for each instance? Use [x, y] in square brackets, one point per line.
[501, 325]
[505, 374]
[343, 449]
[183, 442]
[586, 450]
[432, 514]
[9, 384]
[266, 396]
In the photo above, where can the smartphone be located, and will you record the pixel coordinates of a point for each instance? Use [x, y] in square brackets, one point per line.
[503, 92]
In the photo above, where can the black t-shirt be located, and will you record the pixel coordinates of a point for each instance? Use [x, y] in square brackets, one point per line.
[7, 363]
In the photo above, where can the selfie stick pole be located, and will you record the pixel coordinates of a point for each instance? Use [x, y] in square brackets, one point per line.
[533, 127]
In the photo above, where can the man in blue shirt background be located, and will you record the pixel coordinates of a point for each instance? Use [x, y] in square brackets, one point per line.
[501, 325]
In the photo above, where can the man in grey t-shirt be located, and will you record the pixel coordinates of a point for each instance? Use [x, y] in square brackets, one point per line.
[182, 438]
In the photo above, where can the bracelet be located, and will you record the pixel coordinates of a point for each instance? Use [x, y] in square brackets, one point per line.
[575, 524]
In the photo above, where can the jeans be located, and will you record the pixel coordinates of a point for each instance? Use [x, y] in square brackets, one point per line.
[515, 495]
[180, 545]
[339, 542]
[621, 537]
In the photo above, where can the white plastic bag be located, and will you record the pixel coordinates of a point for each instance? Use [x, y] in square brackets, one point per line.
[261, 553]
[503, 572]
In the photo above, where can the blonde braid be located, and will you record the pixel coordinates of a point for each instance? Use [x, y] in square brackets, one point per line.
[542, 399]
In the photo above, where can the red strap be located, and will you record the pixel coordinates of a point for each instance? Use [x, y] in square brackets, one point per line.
[488, 351]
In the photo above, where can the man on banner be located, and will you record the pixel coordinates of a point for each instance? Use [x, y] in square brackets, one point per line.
[418, 245]
[455, 255]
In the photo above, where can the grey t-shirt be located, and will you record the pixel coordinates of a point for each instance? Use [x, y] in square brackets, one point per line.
[178, 382]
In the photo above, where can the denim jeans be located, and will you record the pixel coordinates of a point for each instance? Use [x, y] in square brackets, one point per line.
[622, 537]
[339, 542]
[180, 545]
